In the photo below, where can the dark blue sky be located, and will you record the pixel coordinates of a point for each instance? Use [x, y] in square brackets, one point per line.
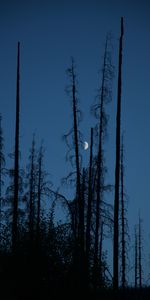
[52, 31]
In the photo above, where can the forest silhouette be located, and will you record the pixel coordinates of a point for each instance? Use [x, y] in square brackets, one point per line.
[44, 259]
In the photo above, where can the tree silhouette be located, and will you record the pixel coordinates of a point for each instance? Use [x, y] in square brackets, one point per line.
[77, 207]
[16, 159]
[138, 256]
[140, 252]
[2, 169]
[104, 96]
[136, 259]
[123, 222]
[32, 182]
[38, 253]
[117, 168]
[89, 205]
[73, 94]
[39, 191]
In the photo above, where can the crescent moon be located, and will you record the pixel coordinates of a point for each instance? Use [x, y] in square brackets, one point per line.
[86, 145]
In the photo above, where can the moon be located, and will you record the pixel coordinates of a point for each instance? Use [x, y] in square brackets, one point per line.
[85, 145]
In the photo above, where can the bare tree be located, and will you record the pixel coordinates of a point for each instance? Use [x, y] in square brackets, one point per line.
[123, 225]
[89, 205]
[140, 253]
[76, 137]
[39, 191]
[104, 96]
[117, 169]
[135, 258]
[16, 159]
[32, 182]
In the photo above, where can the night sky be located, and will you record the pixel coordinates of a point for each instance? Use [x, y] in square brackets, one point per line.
[50, 32]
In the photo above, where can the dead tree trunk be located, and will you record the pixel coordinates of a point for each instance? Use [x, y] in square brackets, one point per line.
[75, 130]
[16, 160]
[117, 169]
[39, 191]
[81, 217]
[101, 252]
[140, 254]
[136, 260]
[32, 190]
[100, 181]
[89, 208]
[123, 243]
[78, 208]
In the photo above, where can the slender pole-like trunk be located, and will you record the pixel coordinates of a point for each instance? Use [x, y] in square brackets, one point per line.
[140, 260]
[16, 161]
[101, 252]
[39, 194]
[89, 208]
[99, 168]
[78, 200]
[83, 279]
[123, 244]
[32, 187]
[135, 260]
[117, 169]
[81, 218]
[75, 126]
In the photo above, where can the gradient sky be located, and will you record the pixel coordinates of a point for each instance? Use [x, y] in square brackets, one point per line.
[50, 33]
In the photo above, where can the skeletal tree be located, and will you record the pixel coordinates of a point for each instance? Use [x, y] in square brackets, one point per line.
[39, 190]
[89, 204]
[104, 96]
[135, 257]
[16, 158]
[75, 134]
[82, 216]
[100, 250]
[117, 167]
[74, 142]
[31, 185]
[140, 253]
[123, 225]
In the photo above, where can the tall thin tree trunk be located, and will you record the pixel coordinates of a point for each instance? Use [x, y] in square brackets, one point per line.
[16, 161]
[135, 260]
[78, 211]
[117, 170]
[81, 254]
[99, 184]
[81, 217]
[75, 127]
[140, 261]
[101, 252]
[39, 193]
[123, 244]
[89, 208]
[32, 192]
